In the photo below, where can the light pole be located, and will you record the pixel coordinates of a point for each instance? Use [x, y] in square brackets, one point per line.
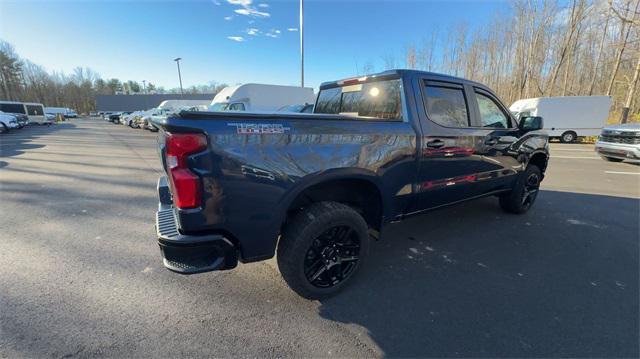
[301, 43]
[144, 86]
[177, 60]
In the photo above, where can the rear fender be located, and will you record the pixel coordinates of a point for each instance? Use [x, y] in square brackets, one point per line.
[327, 176]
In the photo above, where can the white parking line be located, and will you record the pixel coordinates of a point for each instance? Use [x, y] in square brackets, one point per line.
[575, 157]
[571, 149]
[623, 173]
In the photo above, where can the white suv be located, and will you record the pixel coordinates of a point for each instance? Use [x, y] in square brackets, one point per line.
[620, 142]
[7, 122]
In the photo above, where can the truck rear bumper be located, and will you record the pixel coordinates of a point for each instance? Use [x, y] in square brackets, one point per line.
[189, 254]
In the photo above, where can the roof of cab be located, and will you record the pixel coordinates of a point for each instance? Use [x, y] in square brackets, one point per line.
[405, 72]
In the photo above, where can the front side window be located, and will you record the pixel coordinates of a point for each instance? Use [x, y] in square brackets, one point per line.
[236, 107]
[490, 113]
[377, 99]
[33, 110]
[447, 106]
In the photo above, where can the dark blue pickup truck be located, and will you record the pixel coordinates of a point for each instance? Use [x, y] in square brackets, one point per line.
[315, 188]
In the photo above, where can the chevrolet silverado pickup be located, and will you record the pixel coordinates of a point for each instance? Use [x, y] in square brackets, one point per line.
[314, 189]
[620, 142]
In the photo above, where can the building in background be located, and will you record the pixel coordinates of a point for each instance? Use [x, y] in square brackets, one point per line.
[141, 102]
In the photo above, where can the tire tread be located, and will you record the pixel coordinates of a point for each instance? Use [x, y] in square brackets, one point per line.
[295, 240]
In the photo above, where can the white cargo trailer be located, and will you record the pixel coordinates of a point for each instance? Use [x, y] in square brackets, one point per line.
[569, 117]
[260, 98]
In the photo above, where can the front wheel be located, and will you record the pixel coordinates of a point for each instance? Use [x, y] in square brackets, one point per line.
[568, 137]
[4, 128]
[524, 192]
[322, 248]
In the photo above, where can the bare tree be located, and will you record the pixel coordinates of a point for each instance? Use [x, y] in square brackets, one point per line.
[627, 21]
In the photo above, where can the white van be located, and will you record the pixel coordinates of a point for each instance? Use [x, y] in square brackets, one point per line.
[56, 110]
[13, 107]
[567, 117]
[260, 98]
[36, 113]
[64, 111]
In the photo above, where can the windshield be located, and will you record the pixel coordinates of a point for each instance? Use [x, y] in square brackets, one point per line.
[220, 106]
[379, 99]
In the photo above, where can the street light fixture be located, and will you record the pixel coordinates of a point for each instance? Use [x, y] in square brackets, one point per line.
[177, 60]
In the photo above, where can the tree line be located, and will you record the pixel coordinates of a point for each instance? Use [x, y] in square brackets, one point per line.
[23, 80]
[541, 49]
[538, 48]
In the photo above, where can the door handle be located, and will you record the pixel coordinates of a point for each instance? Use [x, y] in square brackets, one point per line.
[491, 141]
[435, 144]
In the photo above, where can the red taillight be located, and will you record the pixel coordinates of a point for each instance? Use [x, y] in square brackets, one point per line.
[185, 185]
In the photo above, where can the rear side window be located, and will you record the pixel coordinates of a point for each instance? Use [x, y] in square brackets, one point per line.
[12, 107]
[379, 99]
[447, 106]
[490, 113]
[34, 110]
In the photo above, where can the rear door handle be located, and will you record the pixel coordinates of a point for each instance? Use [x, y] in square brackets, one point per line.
[435, 144]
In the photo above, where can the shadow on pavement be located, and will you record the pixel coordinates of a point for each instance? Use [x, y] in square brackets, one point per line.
[18, 142]
[472, 281]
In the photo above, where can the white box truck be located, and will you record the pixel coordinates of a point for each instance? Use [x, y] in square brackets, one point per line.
[260, 98]
[568, 117]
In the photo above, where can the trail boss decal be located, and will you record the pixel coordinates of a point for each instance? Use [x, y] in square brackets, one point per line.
[244, 128]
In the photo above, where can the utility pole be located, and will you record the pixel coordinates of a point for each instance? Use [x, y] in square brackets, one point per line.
[144, 90]
[177, 60]
[301, 43]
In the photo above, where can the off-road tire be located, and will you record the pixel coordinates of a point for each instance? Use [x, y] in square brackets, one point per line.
[513, 202]
[299, 236]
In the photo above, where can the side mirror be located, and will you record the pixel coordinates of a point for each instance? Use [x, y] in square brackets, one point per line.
[531, 123]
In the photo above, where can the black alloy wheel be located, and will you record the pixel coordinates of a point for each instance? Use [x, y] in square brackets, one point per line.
[332, 257]
[530, 189]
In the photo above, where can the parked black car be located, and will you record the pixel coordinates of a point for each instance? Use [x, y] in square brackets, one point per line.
[315, 187]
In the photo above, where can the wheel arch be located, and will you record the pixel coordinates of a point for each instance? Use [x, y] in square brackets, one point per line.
[358, 188]
[540, 159]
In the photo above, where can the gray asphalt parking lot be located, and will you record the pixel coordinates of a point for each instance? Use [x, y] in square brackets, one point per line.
[82, 274]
